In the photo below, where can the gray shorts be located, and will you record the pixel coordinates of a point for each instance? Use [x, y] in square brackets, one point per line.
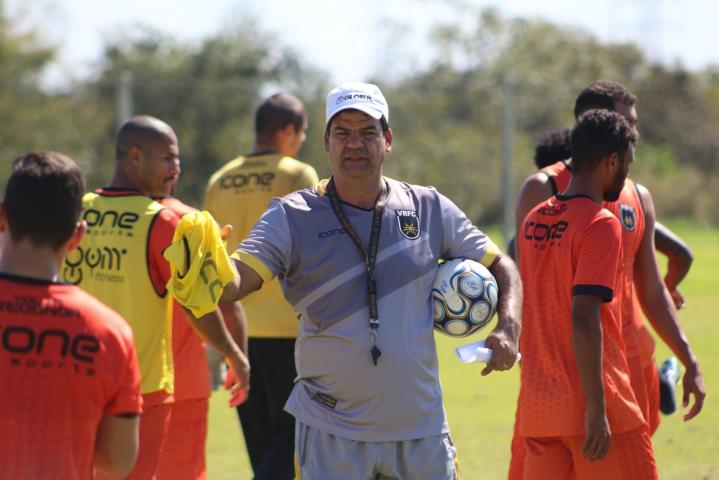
[322, 456]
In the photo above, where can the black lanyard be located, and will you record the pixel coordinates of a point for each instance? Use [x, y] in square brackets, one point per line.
[370, 257]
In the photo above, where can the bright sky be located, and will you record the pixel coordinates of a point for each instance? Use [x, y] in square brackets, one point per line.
[345, 37]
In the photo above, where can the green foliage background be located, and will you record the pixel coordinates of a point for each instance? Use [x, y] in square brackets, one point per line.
[446, 116]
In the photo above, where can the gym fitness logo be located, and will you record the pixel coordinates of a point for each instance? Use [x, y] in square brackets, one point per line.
[102, 258]
[408, 223]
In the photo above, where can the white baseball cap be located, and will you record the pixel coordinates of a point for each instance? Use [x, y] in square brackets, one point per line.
[364, 97]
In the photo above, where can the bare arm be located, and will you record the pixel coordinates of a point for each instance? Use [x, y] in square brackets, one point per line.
[246, 282]
[536, 189]
[116, 445]
[211, 328]
[504, 339]
[587, 342]
[679, 259]
[236, 323]
[659, 309]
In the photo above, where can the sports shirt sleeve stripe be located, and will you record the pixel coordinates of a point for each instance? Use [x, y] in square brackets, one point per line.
[605, 293]
[490, 255]
[254, 263]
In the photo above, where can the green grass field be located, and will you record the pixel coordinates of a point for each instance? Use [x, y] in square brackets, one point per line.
[481, 409]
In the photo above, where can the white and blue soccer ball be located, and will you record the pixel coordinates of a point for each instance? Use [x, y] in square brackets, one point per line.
[464, 297]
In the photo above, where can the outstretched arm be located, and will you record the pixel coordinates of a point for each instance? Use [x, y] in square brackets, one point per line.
[661, 312]
[504, 339]
[679, 260]
[212, 329]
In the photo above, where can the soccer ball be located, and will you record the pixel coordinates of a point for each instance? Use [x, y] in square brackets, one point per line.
[464, 297]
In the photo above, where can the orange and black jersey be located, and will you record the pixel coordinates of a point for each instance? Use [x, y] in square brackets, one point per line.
[65, 361]
[558, 175]
[570, 246]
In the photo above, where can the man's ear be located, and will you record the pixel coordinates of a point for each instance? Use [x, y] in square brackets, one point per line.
[327, 141]
[78, 234]
[613, 162]
[134, 154]
[388, 138]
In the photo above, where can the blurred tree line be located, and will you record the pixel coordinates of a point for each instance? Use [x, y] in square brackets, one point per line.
[446, 116]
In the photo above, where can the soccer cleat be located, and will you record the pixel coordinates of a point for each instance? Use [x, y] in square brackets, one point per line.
[669, 375]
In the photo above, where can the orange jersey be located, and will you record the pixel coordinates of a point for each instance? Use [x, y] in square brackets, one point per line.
[192, 375]
[558, 175]
[628, 209]
[569, 246]
[65, 360]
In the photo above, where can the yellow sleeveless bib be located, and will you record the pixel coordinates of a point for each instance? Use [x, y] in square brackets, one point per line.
[111, 263]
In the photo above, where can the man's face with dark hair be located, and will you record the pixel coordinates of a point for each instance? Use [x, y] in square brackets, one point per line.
[629, 112]
[159, 166]
[612, 195]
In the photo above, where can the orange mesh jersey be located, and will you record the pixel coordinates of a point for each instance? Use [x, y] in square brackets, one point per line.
[65, 360]
[628, 209]
[558, 175]
[192, 375]
[569, 246]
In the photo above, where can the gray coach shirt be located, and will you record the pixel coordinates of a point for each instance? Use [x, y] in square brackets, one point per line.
[323, 275]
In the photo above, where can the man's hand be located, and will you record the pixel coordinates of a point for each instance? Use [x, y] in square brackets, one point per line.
[677, 297]
[238, 377]
[504, 351]
[693, 384]
[596, 441]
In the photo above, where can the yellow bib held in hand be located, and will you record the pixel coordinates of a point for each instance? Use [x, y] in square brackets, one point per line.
[199, 263]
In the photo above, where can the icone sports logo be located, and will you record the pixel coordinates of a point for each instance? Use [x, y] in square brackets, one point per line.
[543, 232]
[17, 339]
[240, 180]
[110, 219]
[331, 233]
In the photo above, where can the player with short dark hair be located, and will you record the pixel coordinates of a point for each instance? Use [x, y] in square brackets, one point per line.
[634, 208]
[552, 148]
[120, 261]
[237, 194]
[356, 256]
[607, 95]
[575, 393]
[71, 384]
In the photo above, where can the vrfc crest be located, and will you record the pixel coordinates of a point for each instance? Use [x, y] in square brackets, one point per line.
[628, 216]
[408, 223]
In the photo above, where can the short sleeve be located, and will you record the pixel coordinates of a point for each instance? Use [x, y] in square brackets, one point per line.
[598, 255]
[126, 398]
[267, 249]
[461, 238]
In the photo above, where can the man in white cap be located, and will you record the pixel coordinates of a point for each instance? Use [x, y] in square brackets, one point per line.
[356, 257]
